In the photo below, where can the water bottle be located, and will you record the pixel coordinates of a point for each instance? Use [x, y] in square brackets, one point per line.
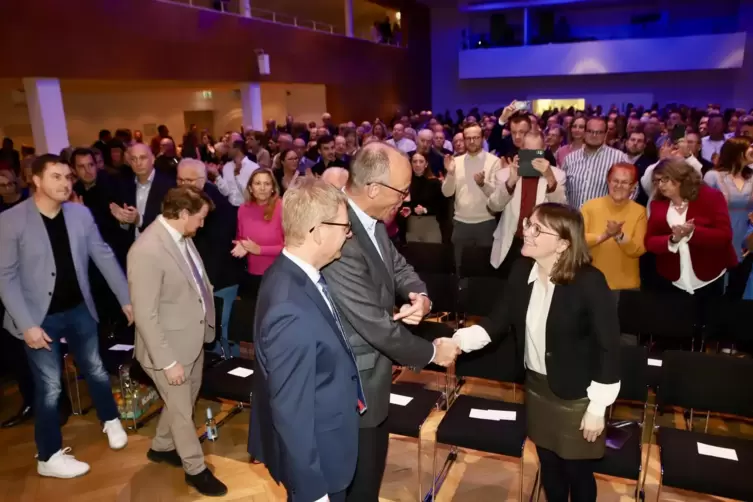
[211, 426]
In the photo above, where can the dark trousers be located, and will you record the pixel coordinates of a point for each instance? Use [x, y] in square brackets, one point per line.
[372, 458]
[565, 480]
[79, 328]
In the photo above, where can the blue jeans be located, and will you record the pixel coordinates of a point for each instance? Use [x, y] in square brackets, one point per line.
[228, 296]
[79, 328]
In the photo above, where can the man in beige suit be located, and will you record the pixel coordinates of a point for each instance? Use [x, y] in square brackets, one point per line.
[174, 314]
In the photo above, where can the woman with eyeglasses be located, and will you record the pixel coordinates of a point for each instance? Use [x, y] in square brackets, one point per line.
[567, 337]
[288, 171]
[689, 231]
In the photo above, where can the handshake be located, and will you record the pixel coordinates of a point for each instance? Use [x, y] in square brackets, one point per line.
[446, 350]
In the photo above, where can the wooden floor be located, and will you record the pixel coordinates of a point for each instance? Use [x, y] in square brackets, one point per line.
[126, 475]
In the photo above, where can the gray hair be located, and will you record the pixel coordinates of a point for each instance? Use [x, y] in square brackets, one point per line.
[193, 164]
[371, 165]
[306, 204]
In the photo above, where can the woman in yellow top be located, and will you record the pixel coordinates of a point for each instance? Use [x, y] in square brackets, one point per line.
[615, 229]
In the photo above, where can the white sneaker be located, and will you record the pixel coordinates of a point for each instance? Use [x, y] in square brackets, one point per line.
[62, 465]
[116, 435]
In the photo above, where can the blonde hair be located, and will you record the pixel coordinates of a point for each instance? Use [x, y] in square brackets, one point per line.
[307, 203]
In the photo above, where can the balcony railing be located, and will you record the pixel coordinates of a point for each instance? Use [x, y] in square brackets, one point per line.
[234, 7]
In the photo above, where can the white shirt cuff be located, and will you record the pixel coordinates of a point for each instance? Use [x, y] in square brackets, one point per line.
[170, 365]
[602, 396]
[472, 338]
[323, 499]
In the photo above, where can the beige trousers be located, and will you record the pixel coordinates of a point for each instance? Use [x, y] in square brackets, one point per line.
[176, 429]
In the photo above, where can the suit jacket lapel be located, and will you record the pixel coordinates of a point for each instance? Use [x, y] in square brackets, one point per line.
[384, 243]
[362, 236]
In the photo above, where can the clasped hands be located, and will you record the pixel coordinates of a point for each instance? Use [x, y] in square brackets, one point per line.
[446, 351]
[679, 232]
[127, 214]
[245, 246]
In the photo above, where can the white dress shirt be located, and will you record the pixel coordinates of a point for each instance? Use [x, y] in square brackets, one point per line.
[142, 196]
[405, 145]
[186, 251]
[688, 281]
[475, 337]
[234, 187]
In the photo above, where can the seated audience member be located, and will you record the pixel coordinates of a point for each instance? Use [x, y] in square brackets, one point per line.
[516, 197]
[325, 145]
[616, 229]
[236, 173]
[336, 176]
[213, 242]
[689, 231]
[426, 203]
[307, 390]
[288, 171]
[259, 237]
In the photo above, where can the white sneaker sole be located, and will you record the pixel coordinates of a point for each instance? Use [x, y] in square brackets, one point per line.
[42, 472]
[116, 448]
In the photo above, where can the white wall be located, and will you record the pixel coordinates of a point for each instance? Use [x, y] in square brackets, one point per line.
[449, 92]
[87, 112]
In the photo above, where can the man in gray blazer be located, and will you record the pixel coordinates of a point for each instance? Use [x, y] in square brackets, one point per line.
[45, 246]
[364, 283]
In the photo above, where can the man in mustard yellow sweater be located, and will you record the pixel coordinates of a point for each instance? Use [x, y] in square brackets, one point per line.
[615, 229]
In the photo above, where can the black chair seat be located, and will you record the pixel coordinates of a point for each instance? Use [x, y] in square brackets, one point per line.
[685, 468]
[625, 462]
[407, 420]
[218, 383]
[503, 437]
[211, 359]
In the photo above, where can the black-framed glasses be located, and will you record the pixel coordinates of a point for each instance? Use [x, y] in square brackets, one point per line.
[403, 193]
[535, 229]
[593, 132]
[347, 226]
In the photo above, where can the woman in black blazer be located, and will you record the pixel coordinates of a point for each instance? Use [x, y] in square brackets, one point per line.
[565, 323]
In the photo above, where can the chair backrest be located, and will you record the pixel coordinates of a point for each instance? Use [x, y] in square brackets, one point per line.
[728, 320]
[658, 314]
[218, 306]
[706, 382]
[442, 290]
[475, 262]
[241, 326]
[429, 257]
[633, 374]
[479, 295]
[498, 362]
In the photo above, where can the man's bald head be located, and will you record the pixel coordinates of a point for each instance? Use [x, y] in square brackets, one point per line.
[141, 159]
[424, 140]
[336, 176]
[380, 177]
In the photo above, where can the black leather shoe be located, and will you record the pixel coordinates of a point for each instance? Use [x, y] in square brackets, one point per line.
[23, 415]
[168, 457]
[206, 484]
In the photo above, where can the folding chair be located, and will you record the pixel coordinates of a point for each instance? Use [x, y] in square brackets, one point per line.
[694, 460]
[475, 262]
[459, 429]
[429, 257]
[231, 379]
[728, 320]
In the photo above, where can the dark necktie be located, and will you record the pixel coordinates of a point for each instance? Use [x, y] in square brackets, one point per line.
[199, 280]
[336, 315]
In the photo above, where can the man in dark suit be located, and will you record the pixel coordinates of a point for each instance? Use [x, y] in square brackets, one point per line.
[365, 282]
[214, 241]
[140, 196]
[307, 393]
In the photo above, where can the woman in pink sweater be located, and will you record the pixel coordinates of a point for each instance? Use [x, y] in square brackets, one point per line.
[259, 236]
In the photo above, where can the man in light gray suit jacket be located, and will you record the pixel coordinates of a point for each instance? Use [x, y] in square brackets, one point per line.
[45, 246]
[364, 283]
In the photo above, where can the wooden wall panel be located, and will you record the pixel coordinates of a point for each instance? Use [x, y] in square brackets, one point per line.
[152, 40]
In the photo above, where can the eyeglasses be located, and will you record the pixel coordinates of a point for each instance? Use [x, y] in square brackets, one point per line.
[347, 226]
[403, 193]
[535, 229]
[661, 181]
[188, 181]
[473, 138]
[595, 133]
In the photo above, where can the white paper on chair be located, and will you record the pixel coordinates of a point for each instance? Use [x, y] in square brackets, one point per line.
[241, 372]
[717, 451]
[502, 415]
[654, 362]
[400, 400]
[481, 414]
[121, 347]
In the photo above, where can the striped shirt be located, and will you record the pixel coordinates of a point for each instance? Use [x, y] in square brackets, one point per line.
[587, 173]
